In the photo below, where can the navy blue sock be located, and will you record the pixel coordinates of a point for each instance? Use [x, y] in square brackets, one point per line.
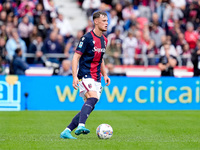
[87, 108]
[74, 122]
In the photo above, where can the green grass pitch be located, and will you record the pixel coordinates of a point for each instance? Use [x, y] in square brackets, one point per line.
[144, 130]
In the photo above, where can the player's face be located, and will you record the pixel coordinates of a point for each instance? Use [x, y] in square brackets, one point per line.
[103, 23]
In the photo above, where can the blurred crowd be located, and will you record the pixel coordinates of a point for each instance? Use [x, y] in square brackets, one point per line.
[137, 32]
[29, 31]
[140, 31]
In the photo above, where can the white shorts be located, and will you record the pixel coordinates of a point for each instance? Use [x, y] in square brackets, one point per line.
[89, 84]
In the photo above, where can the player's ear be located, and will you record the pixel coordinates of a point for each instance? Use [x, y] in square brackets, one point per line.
[96, 21]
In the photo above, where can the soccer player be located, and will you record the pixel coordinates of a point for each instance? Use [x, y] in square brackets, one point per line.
[89, 54]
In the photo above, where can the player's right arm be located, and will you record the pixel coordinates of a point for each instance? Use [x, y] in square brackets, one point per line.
[81, 47]
[75, 62]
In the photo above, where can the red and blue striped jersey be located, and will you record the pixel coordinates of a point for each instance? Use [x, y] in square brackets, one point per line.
[92, 48]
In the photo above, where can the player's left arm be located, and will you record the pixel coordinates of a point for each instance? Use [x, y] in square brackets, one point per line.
[103, 72]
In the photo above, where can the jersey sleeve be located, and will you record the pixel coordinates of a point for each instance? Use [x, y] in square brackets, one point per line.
[82, 45]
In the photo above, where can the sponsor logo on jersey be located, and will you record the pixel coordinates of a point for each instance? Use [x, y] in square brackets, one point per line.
[80, 45]
[99, 49]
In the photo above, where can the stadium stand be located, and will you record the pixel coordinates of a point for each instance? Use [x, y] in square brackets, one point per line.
[151, 24]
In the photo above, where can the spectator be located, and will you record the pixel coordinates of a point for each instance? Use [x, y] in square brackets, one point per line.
[38, 12]
[172, 51]
[26, 9]
[64, 26]
[128, 11]
[61, 42]
[72, 45]
[150, 51]
[142, 24]
[169, 25]
[118, 8]
[144, 9]
[174, 32]
[179, 4]
[196, 59]
[113, 52]
[129, 45]
[9, 18]
[191, 36]
[25, 29]
[3, 32]
[89, 26]
[2, 53]
[132, 21]
[3, 17]
[13, 43]
[118, 26]
[15, 21]
[156, 34]
[47, 20]
[43, 26]
[155, 19]
[171, 9]
[50, 8]
[7, 6]
[9, 28]
[52, 46]
[34, 33]
[18, 66]
[54, 27]
[185, 55]
[105, 8]
[36, 48]
[113, 20]
[65, 69]
[192, 13]
[180, 42]
[167, 62]
[117, 35]
[90, 6]
[140, 49]
[2, 48]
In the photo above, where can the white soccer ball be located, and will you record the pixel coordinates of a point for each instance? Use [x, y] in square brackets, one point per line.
[104, 131]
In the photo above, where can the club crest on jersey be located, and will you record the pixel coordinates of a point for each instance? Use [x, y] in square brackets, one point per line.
[80, 45]
[83, 38]
[105, 43]
[90, 86]
[93, 42]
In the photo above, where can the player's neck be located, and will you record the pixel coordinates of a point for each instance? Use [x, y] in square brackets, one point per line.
[98, 32]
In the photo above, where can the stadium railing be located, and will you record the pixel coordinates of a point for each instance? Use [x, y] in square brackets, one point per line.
[141, 56]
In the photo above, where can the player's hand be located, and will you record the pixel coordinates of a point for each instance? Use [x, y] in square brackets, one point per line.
[75, 83]
[107, 80]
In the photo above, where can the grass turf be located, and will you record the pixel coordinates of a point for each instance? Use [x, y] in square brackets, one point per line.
[145, 130]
